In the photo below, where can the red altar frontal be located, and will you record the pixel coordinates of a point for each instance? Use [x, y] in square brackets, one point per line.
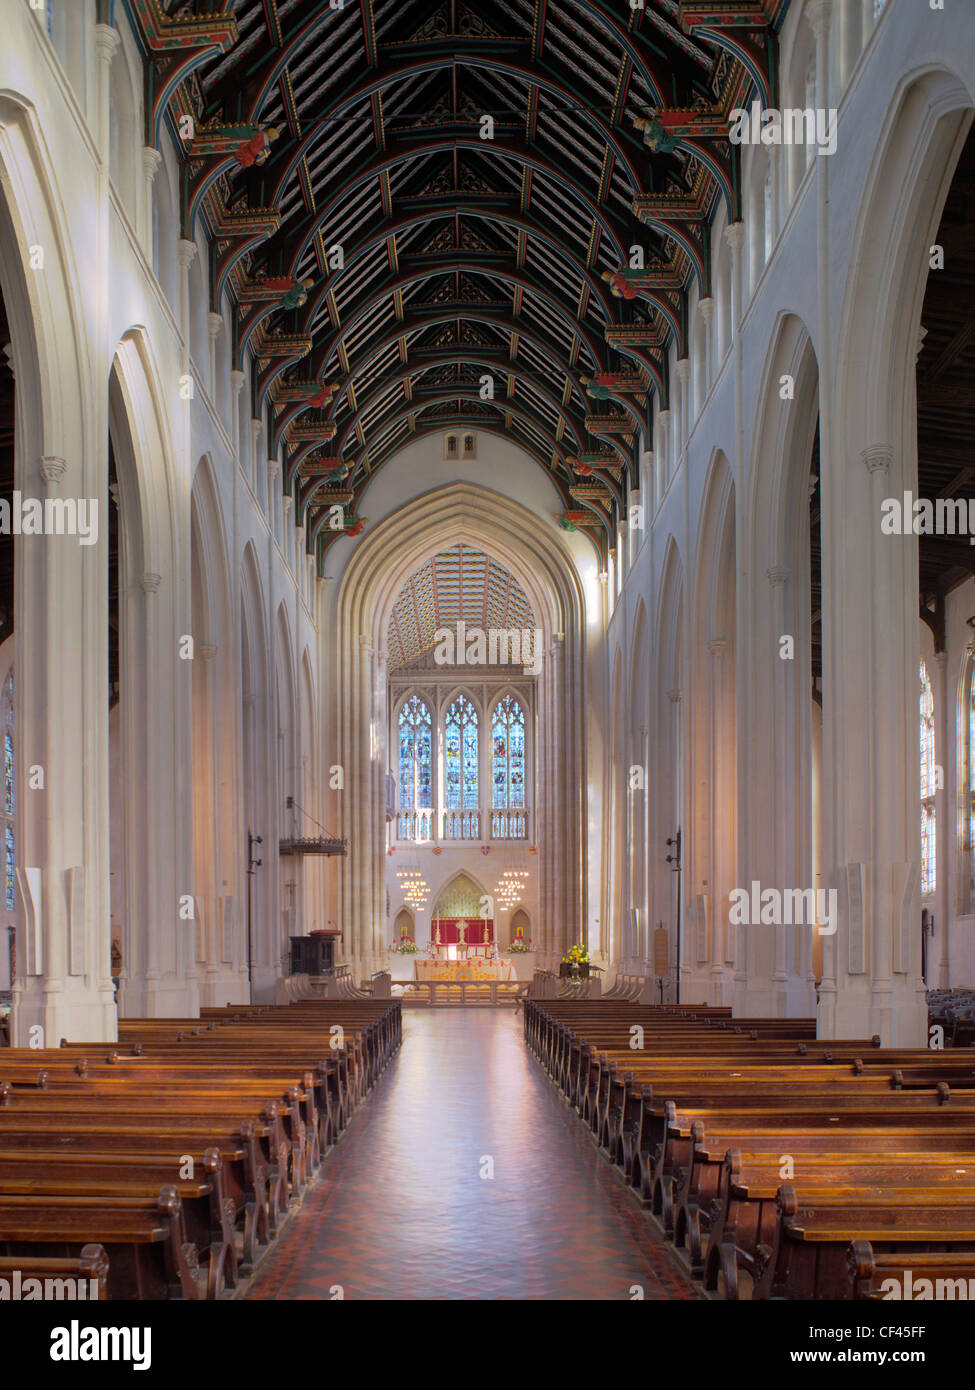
[473, 932]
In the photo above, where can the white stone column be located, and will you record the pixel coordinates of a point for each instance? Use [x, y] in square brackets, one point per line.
[735, 237]
[663, 454]
[107, 40]
[214, 325]
[778, 576]
[237, 380]
[209, 937]
[871, 777]
[63, 987]
[256, 427]
[684, 418]
[677, 897]
[706, 310]
[185, 251]
[273, 473]
[938, 973]
[151, 160]
[722, 818]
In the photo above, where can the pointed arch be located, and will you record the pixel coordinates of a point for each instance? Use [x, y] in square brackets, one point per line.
[460, 896]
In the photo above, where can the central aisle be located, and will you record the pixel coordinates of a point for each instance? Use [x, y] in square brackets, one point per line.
[401, 1210]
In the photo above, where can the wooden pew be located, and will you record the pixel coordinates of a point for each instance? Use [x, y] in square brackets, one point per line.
[258, 1093]
[145, 1239]
[894, 1129]
[869, 1269]
[808, 1258]
[86, 1271]
[209, 1214]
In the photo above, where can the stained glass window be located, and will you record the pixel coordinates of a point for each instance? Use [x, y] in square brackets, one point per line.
[508, 755]
[8, 772]
[415, 756]
[929, 786]
[9, 867]
[460, 755]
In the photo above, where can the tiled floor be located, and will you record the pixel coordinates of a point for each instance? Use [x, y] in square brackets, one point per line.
[406, 1206]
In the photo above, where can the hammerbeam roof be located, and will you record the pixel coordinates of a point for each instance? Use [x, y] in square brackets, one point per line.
[442, 277]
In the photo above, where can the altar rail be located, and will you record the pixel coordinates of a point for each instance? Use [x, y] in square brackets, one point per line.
[423, 993]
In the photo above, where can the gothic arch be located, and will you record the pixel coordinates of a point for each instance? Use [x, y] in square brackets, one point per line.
[370, 583]
[905, 192]
[455, 880]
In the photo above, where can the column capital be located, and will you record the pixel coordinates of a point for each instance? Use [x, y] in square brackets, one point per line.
[249, 700]
[922, 333]
[150, 583]
[237, 379]
[185, 251]
[777, 575]
[717, 645]
[664, 414]
[53, 469]
[735, 235]
[273, 469]
[107, 40]
[818, 14]
[214, 324]
[877, 458]
[151, 160]
[706, 308]
[207, 650]
[286, 502]
[683, 369]
[673, 696]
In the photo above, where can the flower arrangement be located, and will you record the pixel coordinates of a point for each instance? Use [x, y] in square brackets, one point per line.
[406, 946]
[520, 947]
[576, 955]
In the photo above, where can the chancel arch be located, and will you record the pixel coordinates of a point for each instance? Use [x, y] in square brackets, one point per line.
[371, 583]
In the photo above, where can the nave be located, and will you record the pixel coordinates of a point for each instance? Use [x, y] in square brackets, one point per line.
[402, 1211]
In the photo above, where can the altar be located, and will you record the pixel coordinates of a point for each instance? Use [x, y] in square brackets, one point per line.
[475, 969]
